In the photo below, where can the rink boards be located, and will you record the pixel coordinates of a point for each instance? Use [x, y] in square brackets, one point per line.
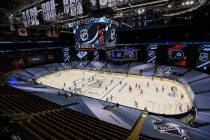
[129, 90]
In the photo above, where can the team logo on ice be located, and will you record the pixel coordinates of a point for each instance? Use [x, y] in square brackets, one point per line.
[170, 129]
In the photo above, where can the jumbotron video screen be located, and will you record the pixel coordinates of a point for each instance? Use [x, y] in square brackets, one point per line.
[97, 33]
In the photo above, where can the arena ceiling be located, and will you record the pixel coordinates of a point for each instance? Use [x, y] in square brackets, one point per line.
[8, 7]
[131, 8]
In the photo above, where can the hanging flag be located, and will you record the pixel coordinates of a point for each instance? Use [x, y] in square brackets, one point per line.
[44, 11]
[66, 6]
[24, 19]
[79, 7]
[31, 11]
[22, 32]
[52, 10]
[36, 16]
[73, 8]
[48, 8]
[93, 5]
[103, 3]
[28, 18]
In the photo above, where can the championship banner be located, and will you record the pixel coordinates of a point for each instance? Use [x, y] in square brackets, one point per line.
[93, 5]
[11, 23]
[103, 3]
[48, 11]
[24, 19]
[73, 8]
[66, 6]
[107, 3]
[79, 7]
[36, 16]
[111, 3]
[52, 10]
[44, 11]
[28, 17]
[32, 15]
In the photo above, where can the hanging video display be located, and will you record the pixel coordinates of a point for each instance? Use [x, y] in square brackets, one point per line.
[203, 60]
[97, 33]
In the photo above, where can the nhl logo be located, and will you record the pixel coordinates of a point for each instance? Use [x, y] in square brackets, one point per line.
[203, 57]
[113, 34]
[84, 34]
[151, 53]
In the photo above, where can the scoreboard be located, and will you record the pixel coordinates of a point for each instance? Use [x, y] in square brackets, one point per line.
[98, 33]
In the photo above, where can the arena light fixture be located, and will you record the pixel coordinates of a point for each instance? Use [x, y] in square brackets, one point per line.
[187, 3]
[140, 11]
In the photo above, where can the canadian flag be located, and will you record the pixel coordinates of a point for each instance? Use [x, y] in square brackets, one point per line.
[53, 32]
[22, 32]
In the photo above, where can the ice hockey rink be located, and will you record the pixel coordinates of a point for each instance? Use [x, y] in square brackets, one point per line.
[158, 95]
